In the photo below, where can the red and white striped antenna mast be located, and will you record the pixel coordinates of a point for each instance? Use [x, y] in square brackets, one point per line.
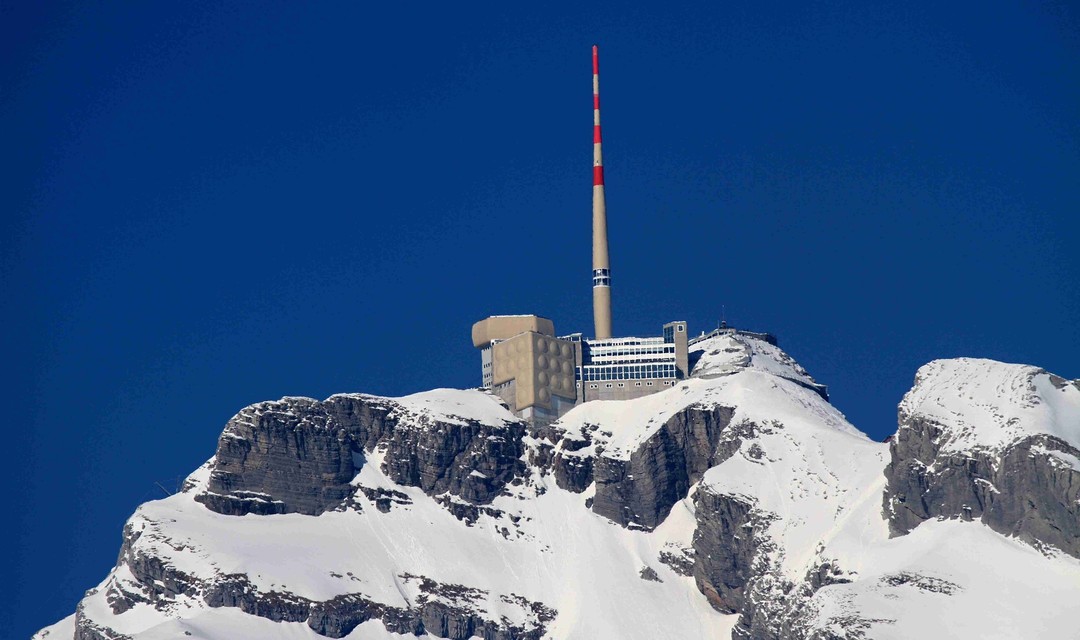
[601, 272]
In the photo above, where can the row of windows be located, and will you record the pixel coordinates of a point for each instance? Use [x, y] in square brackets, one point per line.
[630, 350]
[622, 342]
[609, 385]
[626, 372]
[628, 360]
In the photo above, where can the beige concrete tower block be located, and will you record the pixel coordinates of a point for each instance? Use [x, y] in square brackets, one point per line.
[540, 365]
[503, 327]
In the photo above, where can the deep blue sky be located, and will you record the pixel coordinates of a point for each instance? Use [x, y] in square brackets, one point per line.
[207, 206]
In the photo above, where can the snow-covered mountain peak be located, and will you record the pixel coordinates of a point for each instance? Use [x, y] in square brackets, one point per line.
[729, 353]
[985, 404]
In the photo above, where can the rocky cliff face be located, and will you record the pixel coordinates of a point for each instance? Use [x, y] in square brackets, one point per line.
[639, 492]
[738, 503]
[299, 455]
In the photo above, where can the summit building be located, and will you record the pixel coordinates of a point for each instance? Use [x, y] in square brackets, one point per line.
[541, 375]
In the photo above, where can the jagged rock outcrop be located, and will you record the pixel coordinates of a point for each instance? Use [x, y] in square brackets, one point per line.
[294, 455]
[470, 460]
[1026, 490]
[640, 492]
[724, 549]
[441, 610]
[299, 455]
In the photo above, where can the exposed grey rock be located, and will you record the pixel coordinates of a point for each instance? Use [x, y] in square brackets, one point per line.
[442, 610]
[728, 533]
[1024, 491]
[467, 512]
[155, 581]
[825, 574]
[680, 560]
[648, 573]
[724, 548]
[573, 470]
[928, 584]
[337, 617]
[472, 461]
[639, 492]
[384, 498]
[237, 591]
[294, 455]
[86, 629]
[299, 455]
[734, 569]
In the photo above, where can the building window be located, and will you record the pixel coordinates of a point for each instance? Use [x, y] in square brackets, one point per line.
[594, 386]
[622, 384]
[607, 386]
[649, 383]
[637, 384]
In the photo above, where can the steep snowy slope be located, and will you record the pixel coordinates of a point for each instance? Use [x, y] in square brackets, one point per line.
[738, 502]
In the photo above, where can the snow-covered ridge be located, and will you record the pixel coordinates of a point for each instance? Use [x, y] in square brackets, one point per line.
[985, 404]
[448, 406]
[456, 406]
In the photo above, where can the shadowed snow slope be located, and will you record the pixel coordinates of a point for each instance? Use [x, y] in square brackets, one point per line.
[738, 503]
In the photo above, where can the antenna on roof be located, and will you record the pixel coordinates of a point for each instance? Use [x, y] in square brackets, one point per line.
[723, 316]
